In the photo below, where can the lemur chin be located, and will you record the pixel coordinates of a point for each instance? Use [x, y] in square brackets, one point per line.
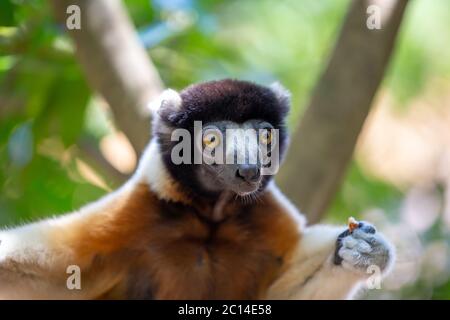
[181, 228]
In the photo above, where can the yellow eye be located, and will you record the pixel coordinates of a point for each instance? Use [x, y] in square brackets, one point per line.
[211, 139]
[265, 136]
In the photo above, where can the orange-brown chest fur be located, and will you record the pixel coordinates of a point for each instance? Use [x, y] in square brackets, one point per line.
[177, 254]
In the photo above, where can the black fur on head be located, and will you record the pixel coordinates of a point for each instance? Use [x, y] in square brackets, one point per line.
[234, 100]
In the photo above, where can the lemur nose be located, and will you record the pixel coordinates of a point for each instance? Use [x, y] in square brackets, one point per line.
[248, 172]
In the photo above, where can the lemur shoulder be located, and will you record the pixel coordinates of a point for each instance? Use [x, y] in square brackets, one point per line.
[194, 231]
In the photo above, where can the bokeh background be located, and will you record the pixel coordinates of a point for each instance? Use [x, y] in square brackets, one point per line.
[60, 149]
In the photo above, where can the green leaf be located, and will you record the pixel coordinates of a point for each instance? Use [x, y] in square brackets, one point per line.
[7, 13]
[65, 108]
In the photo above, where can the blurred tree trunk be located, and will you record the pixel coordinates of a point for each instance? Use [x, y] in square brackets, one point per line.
[115, 63]
[323, 145]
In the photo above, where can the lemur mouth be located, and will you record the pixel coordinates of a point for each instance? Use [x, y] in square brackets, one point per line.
[245, 188]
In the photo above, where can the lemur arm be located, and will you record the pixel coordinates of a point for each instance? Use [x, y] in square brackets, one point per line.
[328, 262]
[33, 264]
[311, 273]
[34, 259]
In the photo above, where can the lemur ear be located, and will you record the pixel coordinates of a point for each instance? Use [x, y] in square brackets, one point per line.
[169, 102]
[283, 95]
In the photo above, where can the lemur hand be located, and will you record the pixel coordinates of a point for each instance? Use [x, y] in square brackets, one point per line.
[361, 248]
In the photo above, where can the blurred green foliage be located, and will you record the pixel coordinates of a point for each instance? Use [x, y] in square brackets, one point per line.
[45, 102]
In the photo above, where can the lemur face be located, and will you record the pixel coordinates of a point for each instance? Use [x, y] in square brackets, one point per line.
[236, 156]
[223, 135]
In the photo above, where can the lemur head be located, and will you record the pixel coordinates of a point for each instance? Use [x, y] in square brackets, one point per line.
[225, 135]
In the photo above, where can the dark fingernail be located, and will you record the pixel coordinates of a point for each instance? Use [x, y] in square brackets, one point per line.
[344, 234]
[367, 228]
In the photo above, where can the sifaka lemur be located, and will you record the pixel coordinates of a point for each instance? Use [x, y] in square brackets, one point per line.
[196, 230]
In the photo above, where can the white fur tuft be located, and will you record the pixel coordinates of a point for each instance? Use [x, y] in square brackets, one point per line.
[280, 91]
[169, 98]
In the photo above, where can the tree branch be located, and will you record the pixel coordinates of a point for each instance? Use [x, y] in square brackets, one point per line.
[90, 152]
[115, 63]
[324, 142]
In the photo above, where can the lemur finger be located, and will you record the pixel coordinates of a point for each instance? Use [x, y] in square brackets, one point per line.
[370, 238]
[366, 227]
[344, 234]
[356, 244]
[349, 242]
[337, 259]
[350, 256]
[364, 247]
